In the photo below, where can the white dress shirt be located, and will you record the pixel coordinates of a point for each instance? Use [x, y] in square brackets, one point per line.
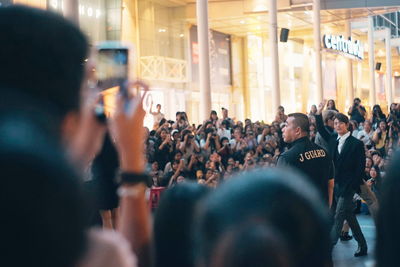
[341, 140]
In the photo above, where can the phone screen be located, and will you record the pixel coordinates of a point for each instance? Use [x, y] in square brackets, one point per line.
[112, 67]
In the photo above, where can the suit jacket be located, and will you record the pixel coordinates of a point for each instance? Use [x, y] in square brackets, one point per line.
[349, 164]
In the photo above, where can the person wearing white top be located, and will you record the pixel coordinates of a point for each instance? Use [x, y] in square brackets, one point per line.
[366, 134]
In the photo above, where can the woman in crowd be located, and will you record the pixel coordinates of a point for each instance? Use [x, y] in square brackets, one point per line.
[375, 180]
[331, 105]
[163, 148]
[380, 138]
[354, 128]
[188, 145]
[213, 118]
[377, 116]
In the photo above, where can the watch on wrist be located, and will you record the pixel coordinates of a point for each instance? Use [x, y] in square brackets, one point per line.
[133, 178]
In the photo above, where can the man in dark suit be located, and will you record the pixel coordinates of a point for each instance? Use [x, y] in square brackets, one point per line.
[349, 159]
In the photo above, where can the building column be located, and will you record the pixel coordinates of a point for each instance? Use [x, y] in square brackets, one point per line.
[371, 58]
[71, 11]
[273, 41]
[317, 48]
[349, 67]
[389, 92]
[204, 58]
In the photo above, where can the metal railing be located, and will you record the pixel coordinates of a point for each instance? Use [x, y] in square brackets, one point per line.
[389, 20]
[163, 69]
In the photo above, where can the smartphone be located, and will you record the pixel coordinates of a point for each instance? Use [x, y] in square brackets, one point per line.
[112, 66]
[112, 70]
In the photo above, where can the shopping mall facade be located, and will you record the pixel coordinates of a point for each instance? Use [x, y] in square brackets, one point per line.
[244, 63]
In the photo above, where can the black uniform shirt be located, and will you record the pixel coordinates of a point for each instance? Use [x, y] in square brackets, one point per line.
[312, 160]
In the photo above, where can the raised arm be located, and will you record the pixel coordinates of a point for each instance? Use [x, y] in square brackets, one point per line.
[134, 222]
[320, 124]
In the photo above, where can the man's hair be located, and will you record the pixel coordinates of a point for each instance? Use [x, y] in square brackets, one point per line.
[42, 56]
[342, 118]
[301, 120]
[328, 115]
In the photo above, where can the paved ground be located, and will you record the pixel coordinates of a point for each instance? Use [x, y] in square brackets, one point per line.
[343, 252]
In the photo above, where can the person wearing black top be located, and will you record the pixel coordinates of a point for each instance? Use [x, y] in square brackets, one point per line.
[349, 160]
[357, 111]
[307, 157]
[104, 168]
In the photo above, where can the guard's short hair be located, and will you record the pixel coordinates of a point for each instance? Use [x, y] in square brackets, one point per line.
[342, 118]
[301, 120]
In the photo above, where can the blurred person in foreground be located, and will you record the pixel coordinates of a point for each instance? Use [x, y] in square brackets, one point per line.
[42, 82]
[271, 198]
[388, 231]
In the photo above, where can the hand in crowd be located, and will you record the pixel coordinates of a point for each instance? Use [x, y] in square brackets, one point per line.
[321, 107]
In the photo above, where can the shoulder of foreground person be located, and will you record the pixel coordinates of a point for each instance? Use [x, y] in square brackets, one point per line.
[107, 248]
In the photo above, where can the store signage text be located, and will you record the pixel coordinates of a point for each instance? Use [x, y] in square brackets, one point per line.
[347, 46]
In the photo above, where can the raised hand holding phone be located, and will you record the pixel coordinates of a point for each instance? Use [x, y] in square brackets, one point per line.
[127, 128]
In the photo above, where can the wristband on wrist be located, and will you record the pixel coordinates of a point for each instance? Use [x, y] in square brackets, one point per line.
[131, 191]
[131, 178]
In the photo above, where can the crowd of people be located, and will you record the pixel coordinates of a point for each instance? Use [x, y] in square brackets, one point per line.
[59, 163]
[211, 152]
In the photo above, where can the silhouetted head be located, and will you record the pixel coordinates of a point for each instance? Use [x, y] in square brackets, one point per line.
[283, 200]
[252, 244]
[41, 199]
[173, 225]
[388, 231]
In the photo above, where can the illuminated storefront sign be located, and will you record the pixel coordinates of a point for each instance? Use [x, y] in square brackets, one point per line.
[347, 46]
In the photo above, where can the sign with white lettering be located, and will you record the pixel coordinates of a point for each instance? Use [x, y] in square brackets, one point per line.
[349, 46]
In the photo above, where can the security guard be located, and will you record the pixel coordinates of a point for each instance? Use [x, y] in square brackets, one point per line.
[304, 155]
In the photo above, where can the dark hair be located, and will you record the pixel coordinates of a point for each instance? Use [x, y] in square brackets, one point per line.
[175, 162]
[328, 115]
[209, 130]
[223, 139]
[334, 105]
[184, 133]
[42, 198]
[173, 225]
[301, 120]
[388, 231]
[42, 55]
[178, 152]
[253, 244]
[380, 133]
[162, 122]
[284, 200]
[351, 128]
[342, 118]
